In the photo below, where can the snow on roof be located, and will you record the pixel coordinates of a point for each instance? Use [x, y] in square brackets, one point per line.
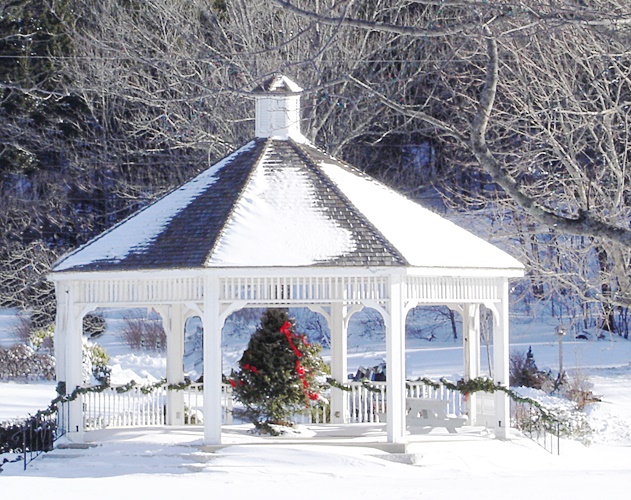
[423, 237]
[276, 84]
[278, 222]
[134, 235]
[280, 202]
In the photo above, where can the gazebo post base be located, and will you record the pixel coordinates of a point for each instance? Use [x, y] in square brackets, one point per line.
[76, 437]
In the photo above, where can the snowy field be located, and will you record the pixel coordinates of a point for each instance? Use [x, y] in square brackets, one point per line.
[471, 464]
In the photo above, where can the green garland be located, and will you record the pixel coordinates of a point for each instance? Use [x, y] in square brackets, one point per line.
[63, 398]
[366, 384]
[482, 384]
[465, 387]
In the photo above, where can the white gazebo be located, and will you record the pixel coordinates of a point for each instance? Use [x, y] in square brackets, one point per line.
[280, 223]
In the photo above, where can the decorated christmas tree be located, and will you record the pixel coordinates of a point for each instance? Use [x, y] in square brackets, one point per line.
[279, 374]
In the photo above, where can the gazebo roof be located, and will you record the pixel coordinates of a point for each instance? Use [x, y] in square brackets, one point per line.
[280, 202]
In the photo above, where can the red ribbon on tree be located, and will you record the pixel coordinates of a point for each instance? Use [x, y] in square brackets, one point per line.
[300, 371]
[251, 368]
[301, 374]
[286, 330]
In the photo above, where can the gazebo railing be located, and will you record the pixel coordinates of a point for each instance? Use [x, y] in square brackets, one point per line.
[135, 407]
[456, 406]
[194, 404]
[366, 403]
[132, 408]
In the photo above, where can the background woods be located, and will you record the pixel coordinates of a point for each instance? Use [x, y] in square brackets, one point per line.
[512, 116]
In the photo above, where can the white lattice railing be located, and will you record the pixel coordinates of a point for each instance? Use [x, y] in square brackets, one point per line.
[368, 404]
[286, 289]
[456, 406]
[455, 289]
[140, 291]
[194, 404]
[134, 407]
[314, 415]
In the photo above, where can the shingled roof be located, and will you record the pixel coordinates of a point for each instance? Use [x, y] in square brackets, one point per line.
[280, 202]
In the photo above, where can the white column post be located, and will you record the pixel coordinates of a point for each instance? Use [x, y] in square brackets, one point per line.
[212, 362]
[500, 360]
[174, 325]
[339, 364]
[61, 321]
[395, 361]
[60, 339]
[72, 348]
[471, 341]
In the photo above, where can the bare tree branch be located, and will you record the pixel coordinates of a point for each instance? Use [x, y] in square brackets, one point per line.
[585, 224]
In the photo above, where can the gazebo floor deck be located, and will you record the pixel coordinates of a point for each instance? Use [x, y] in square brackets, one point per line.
[353, 435]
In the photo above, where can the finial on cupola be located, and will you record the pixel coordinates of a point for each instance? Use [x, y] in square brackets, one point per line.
[278, 109]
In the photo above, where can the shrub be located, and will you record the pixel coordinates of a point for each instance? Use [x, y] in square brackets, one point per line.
[578, 388]
[143, 333]
[524, 371]
[22, 330]
[42, 339]
[33, 434]
[571, 422]
[95, 360]
[38, 338]
[93, 325]
[21, 362]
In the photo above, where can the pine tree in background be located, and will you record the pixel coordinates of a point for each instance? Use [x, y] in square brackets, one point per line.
[278, 374]
[524, 371]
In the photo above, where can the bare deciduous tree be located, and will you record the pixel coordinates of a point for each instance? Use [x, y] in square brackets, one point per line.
[536, 94]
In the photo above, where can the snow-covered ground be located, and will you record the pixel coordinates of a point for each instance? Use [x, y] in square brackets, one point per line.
[471, 464]
[160, 463]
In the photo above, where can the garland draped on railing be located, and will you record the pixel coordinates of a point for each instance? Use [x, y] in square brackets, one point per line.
[63, 398]
[465, 387]
[482, 384]
[366, 384]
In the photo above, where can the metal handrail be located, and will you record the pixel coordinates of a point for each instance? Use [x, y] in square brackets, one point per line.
[526, 418]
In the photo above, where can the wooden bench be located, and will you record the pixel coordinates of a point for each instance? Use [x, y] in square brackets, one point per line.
[423, 414]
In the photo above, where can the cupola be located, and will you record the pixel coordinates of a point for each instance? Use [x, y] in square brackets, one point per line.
[278, 109]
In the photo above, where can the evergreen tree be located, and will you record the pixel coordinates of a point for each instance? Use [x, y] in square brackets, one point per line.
[524, 371]
[278, 373]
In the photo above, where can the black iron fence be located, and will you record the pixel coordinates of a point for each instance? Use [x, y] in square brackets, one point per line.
[531, 422]
[25, 440]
